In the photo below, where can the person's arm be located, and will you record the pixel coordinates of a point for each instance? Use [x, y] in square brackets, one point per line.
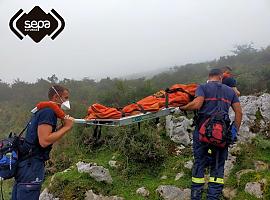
[236, 91]
[238, 114]
[47, 137]
[196, 104]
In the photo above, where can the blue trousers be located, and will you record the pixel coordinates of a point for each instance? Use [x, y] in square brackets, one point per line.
[28, 179]
[212, 157]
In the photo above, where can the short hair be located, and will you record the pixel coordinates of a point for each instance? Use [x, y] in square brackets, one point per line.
[56, 88]
[215, 72]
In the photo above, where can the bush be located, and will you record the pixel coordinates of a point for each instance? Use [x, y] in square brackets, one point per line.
[142, 146]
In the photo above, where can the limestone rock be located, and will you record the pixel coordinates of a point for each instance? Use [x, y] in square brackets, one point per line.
[189, 164]
[255, 188]
[229, 193]
[179, 129]
[143, 192]
[90, 195]
[169, 192]
[260, 166]
[45, 195]
[113, 164]
[229, 163]
[178, 176]
[99, 173]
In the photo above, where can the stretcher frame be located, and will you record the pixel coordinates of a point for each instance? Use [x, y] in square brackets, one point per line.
[128, 120]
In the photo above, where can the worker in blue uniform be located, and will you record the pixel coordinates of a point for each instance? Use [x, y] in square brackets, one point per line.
[209, 98]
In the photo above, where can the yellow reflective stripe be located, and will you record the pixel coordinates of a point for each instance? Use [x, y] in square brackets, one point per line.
[216, 180]
[198, 180]
[209, 151]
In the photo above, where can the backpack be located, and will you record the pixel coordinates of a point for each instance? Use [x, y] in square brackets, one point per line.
[9, 151]
[215, 130]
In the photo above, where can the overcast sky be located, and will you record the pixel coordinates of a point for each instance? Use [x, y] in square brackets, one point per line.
[120, 37]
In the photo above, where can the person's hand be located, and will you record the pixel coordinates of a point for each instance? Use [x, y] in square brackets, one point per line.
[68, 122]
[234, 132]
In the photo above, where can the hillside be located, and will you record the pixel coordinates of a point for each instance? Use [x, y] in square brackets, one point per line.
[146, 158]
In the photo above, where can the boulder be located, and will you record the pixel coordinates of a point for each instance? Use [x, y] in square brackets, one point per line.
[260, 166]
[45, 195]
[90, 195]
[179, 129]
[255, 188]
[99, 173]
[169, 192]
[229, 193]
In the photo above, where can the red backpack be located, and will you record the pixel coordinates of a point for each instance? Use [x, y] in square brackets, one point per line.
[214, 130]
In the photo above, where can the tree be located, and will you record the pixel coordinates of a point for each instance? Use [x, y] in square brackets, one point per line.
[53, 79]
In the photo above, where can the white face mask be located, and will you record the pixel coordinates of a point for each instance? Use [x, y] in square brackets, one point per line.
[65, 104]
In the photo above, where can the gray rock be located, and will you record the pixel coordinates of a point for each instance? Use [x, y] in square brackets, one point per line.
[260, 166]
[84, 167]
[229, 193]
[229, 163]
[255, 189]
[177, 129]
[45, 195]
[113, 164]
[250, 105]
[90, 195]
[169, 192]
[164, 177]
[178, 176]
[99, 173]
[143, 192]
[188, 164]
[265, 106]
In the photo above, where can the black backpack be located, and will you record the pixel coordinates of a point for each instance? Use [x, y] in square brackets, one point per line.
[9, 154]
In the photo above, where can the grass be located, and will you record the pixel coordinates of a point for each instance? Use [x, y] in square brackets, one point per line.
[123, 185]
[131, 175]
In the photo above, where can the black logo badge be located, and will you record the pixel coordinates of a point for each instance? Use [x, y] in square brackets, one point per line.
[37, 24]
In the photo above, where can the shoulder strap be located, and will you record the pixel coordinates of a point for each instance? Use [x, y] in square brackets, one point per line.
[218, 96]
[27, 125]
[22, 131]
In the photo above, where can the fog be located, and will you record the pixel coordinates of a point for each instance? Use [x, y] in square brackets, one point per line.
[121, 37]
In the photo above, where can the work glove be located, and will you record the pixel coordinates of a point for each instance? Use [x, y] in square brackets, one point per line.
[234, 132]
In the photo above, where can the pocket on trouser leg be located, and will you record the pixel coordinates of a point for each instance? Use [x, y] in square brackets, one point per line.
[29, 191]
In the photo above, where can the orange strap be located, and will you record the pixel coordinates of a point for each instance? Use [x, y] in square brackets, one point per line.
[49, 104]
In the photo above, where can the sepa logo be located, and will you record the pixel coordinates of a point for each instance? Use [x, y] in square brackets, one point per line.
[37, 24]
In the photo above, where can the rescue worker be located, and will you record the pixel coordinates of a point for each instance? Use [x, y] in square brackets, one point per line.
[229, 80]
[208, 98]
[41, 134]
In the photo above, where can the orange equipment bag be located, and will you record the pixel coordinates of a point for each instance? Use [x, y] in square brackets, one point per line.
[98, 111]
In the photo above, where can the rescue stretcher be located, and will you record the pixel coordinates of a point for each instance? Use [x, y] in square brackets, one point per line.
[128, 120]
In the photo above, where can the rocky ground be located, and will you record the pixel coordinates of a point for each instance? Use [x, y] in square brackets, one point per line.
[246, 161]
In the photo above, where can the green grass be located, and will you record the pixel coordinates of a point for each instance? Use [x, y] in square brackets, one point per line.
[131, 175]
[124, 184]
[7, 188]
